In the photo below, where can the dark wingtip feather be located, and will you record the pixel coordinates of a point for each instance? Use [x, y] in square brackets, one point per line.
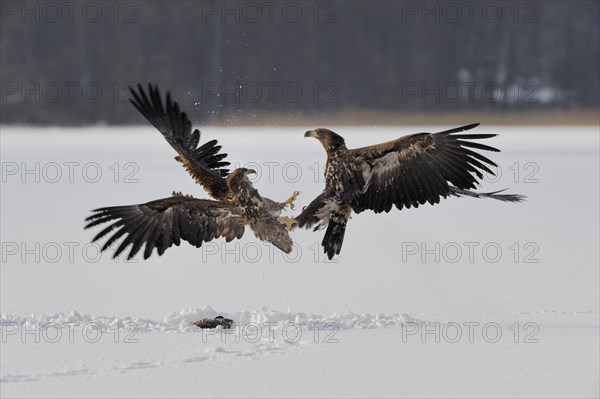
[479, 146]
[475, 136]
[493, 194]
[460, 129]
[505, 197]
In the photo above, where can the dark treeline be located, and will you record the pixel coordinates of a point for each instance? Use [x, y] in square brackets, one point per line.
[70, 63]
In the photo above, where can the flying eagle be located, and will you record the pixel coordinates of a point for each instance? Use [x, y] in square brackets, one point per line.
[161, 223]
[406, 172]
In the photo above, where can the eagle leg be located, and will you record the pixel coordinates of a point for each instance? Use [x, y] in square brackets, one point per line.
[290, 201]
[288, 222]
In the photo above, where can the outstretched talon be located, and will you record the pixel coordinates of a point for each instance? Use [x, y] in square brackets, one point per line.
[290, 201]
[288, 222]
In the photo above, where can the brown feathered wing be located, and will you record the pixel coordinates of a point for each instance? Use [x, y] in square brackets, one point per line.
[205, 164]
[161, 223]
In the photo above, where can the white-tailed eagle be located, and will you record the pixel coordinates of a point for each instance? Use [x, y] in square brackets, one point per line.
[161, 223]
[406, 172]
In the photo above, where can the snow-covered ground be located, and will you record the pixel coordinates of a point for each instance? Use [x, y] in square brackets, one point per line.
[465, 298]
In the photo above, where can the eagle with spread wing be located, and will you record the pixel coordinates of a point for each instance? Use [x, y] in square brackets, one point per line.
[406, 172]
[161, 223]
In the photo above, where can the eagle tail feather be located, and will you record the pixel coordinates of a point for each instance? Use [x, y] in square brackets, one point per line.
[334, 236]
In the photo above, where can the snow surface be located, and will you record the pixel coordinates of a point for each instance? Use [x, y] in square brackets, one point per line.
[382, 320]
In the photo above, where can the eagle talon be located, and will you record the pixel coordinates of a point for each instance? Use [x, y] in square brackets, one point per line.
[288, 222]
[290, 201]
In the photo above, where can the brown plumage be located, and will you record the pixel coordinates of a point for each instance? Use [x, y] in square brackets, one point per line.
[406, 172]
[205, 164]
[161, 223]
[165, 222]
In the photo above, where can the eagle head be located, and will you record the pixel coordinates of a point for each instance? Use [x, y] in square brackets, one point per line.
[239, 175]
[331, 141]
[245, 171]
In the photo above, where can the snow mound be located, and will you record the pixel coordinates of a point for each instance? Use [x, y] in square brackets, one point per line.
[180, 321]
